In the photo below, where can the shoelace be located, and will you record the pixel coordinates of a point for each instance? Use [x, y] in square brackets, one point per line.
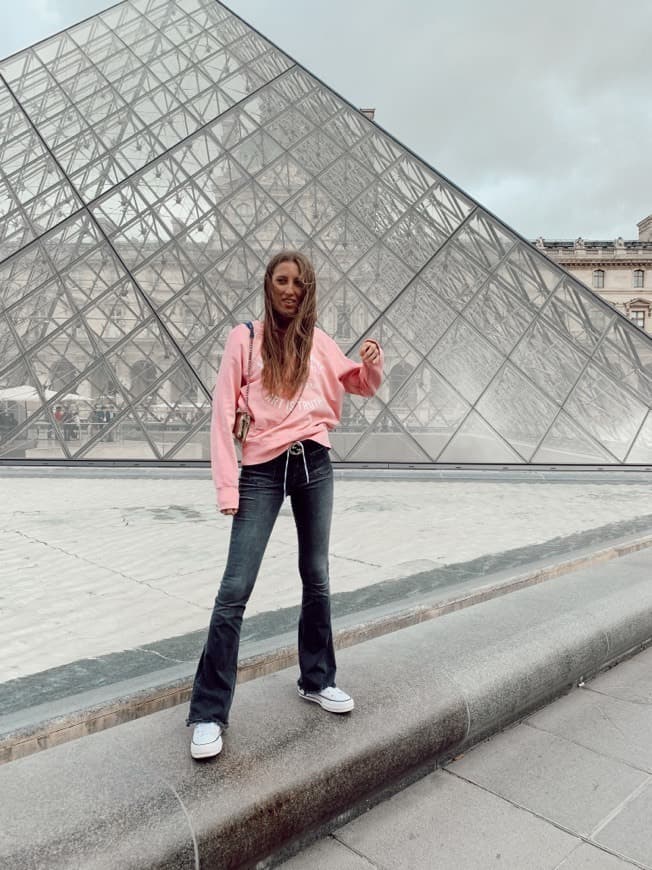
[294, 449]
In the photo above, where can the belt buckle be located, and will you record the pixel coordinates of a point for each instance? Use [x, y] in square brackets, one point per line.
[296, 448]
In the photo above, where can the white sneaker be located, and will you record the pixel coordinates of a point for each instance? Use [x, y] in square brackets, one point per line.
[206, 740]
[332, 699]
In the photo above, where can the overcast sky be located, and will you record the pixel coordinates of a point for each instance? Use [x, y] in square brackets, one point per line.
[540, 111]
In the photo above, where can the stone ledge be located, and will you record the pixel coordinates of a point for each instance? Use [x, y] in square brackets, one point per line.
[51, 724]
[132, 797]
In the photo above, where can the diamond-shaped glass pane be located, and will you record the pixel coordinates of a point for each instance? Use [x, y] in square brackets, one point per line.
[465, 359]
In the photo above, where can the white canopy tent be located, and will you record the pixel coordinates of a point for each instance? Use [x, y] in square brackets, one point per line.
[30, 395]
[24, 393]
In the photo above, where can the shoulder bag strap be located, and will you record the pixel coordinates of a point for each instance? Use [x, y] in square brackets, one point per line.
[250, 327]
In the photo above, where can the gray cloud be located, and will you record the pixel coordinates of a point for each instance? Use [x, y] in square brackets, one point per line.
[539, 111]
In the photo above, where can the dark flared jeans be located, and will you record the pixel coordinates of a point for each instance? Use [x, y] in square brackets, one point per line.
[262, 491]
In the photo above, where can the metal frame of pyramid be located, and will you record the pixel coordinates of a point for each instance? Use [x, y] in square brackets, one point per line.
[154, 156]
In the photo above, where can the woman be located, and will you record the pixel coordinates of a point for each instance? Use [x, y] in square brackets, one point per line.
[297, 378]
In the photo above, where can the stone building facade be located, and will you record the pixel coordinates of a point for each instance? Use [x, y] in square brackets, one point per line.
[619, 270]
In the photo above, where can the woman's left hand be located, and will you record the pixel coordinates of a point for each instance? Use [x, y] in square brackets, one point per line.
[370, 352]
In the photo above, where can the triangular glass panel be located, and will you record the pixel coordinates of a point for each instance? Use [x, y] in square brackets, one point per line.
[380, 275]
[578, 315]
[76, 238]
[41, 313]
[483, 241]
[316, 152]
[626, 356]
[276, 233]
[414, 239]
[318, 106]
[358, 415]
[256, 152]
[641, 451]
[442, 209]
[379, 208]
[409, 178]
[117, 436]
[567, 444]
[89, 277]
[475, 441]
[426, 406]
[376, 151]
[348, 128]
[35, 438]
[116, 314]
[422, 315]
[387, 441]
[283, 179]
[20, 374]
[346, 179]
[222, 179]
[345, 240]
[196, 153]
[529, 275]
[454, 276]
[193, 313]
[611, 414]
[312, 208]
[64, 356]
[551, 361]
[234, 127]
[465, 359]
[504, 320]
[164, 275]
[517, 410]
[345, 313]
[140, 363]
[235, 276]
[247, 208]
[289, 127]
[206, 357]
[195, 444]
[207, 240]
[24, 272]
[170, 413]
[15, 233]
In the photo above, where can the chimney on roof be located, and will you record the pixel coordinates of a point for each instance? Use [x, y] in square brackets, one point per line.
[368, 113]
[645, 229]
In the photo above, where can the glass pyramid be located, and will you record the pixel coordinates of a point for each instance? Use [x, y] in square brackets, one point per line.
[155, 156]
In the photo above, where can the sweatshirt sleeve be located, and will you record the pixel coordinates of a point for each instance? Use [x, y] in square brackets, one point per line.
[360, 378]
[224, 461]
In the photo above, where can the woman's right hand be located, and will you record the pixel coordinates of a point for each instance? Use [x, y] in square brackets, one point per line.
[229, 512]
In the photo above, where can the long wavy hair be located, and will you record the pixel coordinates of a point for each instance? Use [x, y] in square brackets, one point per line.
[286, 347]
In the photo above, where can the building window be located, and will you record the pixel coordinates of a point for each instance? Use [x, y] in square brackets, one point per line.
[638, 317]
[598, 278]
[638, 278]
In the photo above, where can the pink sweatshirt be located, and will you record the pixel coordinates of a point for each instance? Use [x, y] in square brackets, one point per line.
[317, 410]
